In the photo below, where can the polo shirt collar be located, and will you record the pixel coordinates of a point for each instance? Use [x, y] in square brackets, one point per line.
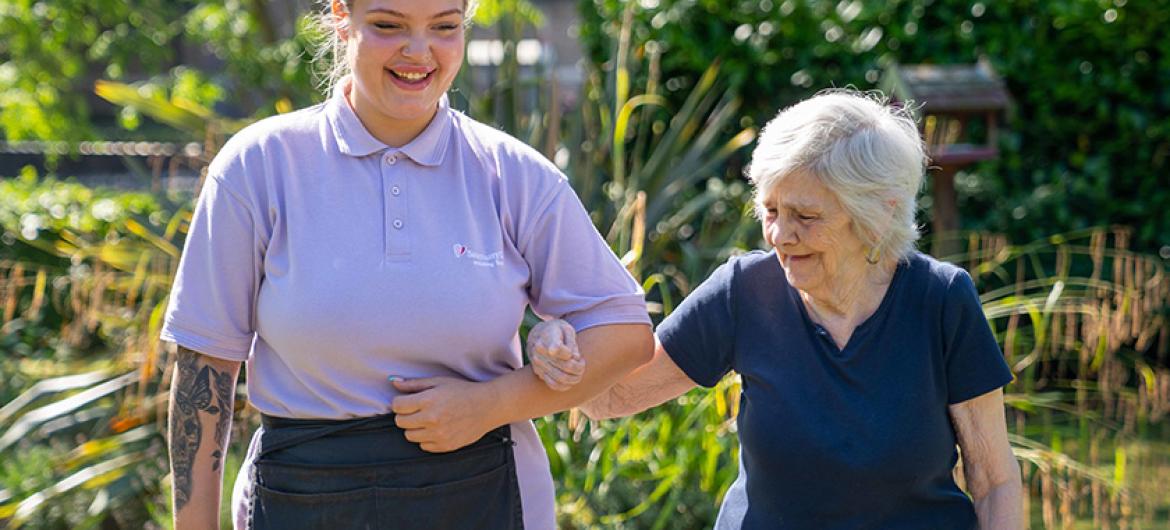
[428, 148]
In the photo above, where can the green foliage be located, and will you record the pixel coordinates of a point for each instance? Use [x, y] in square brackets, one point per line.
[274, 69]
[50, 49]
[652, 150]
[665, 468]
[492, 12]
[60, 240]
[83, 279]
[52, 52]
[1087, 142]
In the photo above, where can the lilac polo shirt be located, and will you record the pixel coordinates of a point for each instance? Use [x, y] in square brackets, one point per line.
[328, 261]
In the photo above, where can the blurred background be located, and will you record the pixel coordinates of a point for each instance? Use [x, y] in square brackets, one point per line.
[1048, 122]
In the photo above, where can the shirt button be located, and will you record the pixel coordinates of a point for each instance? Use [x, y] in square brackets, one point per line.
[398, 224]
[390, 159]
[395, 190]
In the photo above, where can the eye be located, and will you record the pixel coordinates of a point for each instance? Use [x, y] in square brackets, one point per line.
[447, 27]
[806, 217]
[385, 26]
[770, 213]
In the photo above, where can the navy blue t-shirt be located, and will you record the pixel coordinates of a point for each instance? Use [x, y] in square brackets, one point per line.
[850, 438]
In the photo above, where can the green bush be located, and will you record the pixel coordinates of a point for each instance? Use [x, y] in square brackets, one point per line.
[1088, 139]
[61, 242]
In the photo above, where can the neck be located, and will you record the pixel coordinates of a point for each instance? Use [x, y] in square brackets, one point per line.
[390, 131]
[853, 295]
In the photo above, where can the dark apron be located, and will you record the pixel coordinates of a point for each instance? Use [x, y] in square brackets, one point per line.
[364, 474]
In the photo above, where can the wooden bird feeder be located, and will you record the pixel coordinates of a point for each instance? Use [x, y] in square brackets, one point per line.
[958, 109]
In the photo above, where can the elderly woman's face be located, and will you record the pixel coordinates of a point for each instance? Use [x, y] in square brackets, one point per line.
[404, 55]
[812, 233]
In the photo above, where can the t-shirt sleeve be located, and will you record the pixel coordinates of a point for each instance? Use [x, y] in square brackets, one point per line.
[574, 274]
[974, 362]
[699, 335]
[212, 301]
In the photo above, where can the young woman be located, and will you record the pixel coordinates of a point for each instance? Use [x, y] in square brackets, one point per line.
[371, 259]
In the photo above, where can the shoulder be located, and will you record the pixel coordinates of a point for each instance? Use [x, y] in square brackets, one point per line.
[740, 274]
[927, 273]
[506, 155]
[750, 269]
[246, 151]
[754, 262]
[939, 287]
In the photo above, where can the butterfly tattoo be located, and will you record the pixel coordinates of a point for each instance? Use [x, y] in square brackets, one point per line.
[197, 387]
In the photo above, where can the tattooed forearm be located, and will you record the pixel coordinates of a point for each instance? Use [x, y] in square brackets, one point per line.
[197, 387]
[223, 398]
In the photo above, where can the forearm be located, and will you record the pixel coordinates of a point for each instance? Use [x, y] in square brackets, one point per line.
[202, 395]
[1001, 507]
[989, 466]
[649, 385]
[610, 352]
[617, 401]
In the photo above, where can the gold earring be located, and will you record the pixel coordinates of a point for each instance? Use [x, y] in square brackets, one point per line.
[873, 256]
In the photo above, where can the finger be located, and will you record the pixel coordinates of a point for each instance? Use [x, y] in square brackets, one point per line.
[574, 368]
[551, 372]
[555, 385]
[570, 337]
[540, 366]
[411, 386]
[550, 369]
[538, 333]
[566, 361]
[407, 404]
[539, 350]
[418, 436]
[560, 353]
[410, 421]
[435, 447]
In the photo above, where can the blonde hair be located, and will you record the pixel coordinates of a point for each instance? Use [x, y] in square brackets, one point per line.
[866, 151]
[329, 50]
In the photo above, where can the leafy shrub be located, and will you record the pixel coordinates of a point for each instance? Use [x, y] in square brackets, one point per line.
[1088, 140]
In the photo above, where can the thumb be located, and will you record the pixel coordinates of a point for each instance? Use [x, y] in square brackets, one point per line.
[410, 386]
[570, 338]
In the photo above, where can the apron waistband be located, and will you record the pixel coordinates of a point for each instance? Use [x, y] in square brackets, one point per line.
[301, 430]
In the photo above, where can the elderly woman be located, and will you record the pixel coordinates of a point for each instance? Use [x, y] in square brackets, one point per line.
[371, 259]
[863, 362]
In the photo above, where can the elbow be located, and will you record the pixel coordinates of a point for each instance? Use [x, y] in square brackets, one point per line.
[637, 349]
[592, 411]
[605, 406]
[1003, 482]
[642, 347]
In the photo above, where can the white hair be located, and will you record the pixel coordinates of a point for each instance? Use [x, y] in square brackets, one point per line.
[867, 152]
[329, 50]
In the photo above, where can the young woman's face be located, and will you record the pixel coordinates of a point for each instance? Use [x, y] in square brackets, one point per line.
[404, 55]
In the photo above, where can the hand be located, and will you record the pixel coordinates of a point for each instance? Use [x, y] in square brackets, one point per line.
[441, 414]
[552, 348]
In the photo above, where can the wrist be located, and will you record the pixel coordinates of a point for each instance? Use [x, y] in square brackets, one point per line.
[498, 407]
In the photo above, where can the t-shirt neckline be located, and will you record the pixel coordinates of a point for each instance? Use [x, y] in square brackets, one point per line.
[870, 321]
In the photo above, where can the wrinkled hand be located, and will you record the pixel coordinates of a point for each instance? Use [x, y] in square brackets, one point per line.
[552, 348]
[441, 414]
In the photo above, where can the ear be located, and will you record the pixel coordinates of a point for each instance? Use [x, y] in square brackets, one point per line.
[340, 19]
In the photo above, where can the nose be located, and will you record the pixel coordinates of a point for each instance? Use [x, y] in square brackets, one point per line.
[417, 47]
[783, 232]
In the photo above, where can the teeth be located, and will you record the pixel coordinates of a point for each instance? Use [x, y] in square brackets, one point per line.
[410, 76]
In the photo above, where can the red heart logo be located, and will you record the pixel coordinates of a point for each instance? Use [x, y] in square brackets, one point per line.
[460, 250]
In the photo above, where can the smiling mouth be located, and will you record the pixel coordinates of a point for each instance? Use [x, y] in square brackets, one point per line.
[411, 77]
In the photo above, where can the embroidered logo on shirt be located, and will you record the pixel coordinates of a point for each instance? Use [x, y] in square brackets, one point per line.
[480, 259]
